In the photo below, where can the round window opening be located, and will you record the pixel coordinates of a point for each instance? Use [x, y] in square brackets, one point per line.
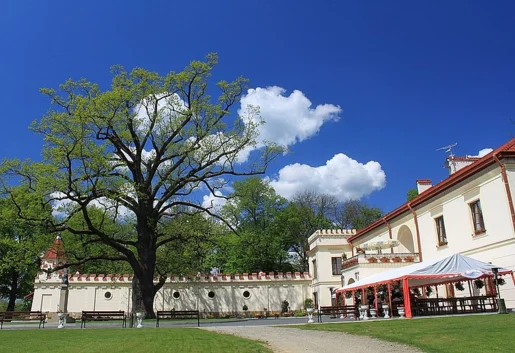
[211, 294]
[246, 294]
[176, 295]
[108, 295]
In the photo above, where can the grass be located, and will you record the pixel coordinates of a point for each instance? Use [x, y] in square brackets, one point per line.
[125, 340]
[467, 334]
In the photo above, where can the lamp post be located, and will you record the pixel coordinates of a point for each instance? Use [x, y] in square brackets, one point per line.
[501, 305]
[63, 300]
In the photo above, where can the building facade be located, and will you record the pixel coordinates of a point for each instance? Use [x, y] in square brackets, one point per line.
[471, 212]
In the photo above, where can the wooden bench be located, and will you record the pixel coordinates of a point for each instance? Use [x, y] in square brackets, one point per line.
[103, 316]
[177, 315]
[9, 316]
[345, 310]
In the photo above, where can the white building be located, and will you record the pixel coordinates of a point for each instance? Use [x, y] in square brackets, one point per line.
[212, 295]
[471, 212]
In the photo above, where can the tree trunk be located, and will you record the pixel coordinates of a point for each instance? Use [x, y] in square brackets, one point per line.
[143, 293]
[13, 291]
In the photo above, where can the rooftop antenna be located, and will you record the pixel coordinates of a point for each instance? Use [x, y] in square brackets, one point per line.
[448, 149]
[450, 163]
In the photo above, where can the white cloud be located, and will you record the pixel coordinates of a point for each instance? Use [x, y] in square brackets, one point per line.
[341, 176]
[287, 119]
[483, 152]
[214, 203]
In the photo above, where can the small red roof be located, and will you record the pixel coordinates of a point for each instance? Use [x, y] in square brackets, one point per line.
[56, 250]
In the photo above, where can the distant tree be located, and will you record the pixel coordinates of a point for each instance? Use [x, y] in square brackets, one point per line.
[21, 245]
[356, 214]
[258, 245]
[412, 193]
[307, 212]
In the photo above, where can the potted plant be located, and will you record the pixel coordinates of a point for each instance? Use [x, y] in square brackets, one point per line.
[385, 259]
[479, 283]
[500, 281]
[348, 295]
[429, 291]
[401, 311]
[62, 318]
[459, 286]
[409, 258]
[416, 292]
[308, 305]
[397, 259]
[285, 306]
[372, 259]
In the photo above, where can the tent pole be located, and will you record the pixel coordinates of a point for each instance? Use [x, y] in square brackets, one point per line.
[363, 302]
[375, 301]
[407, 299]
[390, 298]
[513, 278]
[436, 290]
[470, 287]
[493, 290]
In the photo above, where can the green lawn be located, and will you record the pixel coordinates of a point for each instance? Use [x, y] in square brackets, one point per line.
[467, 334]
[124, 340]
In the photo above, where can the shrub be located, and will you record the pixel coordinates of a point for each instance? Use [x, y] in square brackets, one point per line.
[308, 303]
[284, 306]
[245, 307]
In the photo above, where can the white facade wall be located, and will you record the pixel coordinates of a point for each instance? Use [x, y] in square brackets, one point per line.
[265, 291]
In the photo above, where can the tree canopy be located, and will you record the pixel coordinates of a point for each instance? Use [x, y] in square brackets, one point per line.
[122, 162]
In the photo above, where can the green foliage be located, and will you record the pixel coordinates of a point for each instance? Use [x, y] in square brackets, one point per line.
[285, 306]
[123, 163]
[245, 307]
[308, 303]
[412, 193]
[21, 244]
[258, 245]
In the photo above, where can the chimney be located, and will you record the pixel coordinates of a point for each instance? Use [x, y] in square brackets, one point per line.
[423, 185]
[456, 163]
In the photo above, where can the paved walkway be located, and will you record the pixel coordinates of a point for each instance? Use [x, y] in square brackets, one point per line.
[291, 340]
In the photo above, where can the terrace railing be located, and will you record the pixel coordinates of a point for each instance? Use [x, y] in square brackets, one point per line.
[380, 258]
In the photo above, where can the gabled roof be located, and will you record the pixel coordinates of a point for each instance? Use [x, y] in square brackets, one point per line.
[506, 150]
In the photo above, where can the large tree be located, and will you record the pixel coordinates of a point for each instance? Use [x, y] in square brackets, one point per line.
[136, 154]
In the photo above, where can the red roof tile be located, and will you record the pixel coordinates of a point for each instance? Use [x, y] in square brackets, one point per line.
[56, 250]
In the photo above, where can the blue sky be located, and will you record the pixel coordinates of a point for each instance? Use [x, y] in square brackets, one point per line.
[409, 76]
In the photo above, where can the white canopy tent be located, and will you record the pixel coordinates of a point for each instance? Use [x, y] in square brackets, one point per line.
[452, 268]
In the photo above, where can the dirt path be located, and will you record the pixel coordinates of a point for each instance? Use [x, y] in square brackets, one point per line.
[291, 340]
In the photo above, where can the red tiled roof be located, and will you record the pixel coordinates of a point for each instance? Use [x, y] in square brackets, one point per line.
[56, 250]
[423, 181]
[466, 158]
[506, 150]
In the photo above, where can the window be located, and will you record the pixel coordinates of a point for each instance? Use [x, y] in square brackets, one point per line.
[315, 272]
[211, 294]
[477, 217]
[336, 263]
[440, 229]
[176, 295]
[108, 295]
[246, 294]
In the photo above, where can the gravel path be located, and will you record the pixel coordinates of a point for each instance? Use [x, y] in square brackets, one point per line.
[291, 340]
